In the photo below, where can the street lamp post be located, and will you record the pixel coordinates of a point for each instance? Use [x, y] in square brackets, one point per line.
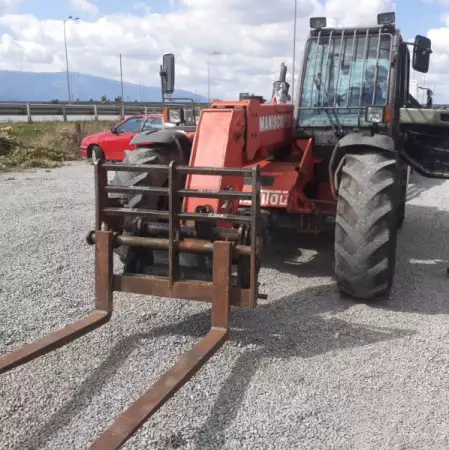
[208, 73]
[67, 57]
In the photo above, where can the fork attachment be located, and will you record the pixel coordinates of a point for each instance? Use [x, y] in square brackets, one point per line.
[225, 246]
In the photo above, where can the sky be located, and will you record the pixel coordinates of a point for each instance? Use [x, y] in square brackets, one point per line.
[429, 18]
[252, 37]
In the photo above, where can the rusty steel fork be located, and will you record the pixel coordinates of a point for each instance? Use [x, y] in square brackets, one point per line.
[101, 315]
[132, 419]
[225, 246]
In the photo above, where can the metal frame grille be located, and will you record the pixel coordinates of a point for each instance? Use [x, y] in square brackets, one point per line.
[220, 292]
[331, 35]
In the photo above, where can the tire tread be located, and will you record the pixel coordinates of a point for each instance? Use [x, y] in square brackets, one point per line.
[365, 236]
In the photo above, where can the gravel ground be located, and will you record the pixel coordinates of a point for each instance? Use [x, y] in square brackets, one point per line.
[306, 370]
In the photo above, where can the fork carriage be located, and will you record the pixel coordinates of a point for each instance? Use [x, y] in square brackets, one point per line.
[241, 244]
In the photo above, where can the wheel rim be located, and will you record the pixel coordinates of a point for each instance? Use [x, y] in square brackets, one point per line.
[96, 155]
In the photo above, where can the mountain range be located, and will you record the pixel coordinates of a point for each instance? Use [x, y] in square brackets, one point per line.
[18, 86]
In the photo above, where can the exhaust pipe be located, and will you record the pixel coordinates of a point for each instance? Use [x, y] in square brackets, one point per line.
[281, 88]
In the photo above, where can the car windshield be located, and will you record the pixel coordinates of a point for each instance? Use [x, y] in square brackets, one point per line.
[344, 74]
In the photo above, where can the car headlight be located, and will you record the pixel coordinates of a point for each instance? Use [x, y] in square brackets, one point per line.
[375, 114]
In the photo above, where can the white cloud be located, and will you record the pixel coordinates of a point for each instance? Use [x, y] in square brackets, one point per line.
[438, 76]
[362, 12]
[85, 6]
[8, 5]
[253, 38]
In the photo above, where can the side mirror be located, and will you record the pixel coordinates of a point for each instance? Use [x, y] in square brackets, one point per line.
[174, 114]
[421, 54]
[167, 73]
[114, 130]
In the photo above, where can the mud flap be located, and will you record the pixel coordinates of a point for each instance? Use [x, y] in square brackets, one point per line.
[355, 143]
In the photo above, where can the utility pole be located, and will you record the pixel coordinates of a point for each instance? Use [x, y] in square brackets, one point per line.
[208, 73]
[67, 57]
[67, 64]
[121, 77]
[294, 51]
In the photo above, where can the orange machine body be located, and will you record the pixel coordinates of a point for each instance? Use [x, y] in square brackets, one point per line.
[243, 134]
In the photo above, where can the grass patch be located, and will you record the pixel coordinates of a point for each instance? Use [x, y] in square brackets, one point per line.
[44, 145]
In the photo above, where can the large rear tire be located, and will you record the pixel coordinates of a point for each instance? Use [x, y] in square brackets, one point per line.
[138, 260]
[404, 176]
[366, 226]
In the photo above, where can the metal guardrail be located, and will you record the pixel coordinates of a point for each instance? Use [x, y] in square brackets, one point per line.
[94, 110]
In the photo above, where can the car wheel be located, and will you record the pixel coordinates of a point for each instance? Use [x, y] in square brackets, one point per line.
[97, 154]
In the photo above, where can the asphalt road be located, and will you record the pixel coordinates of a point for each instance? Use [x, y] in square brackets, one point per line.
[306, 370]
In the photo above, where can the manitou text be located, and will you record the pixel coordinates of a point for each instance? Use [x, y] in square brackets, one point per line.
[277, 122]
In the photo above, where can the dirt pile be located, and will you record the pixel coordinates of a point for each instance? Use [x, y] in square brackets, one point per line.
[48, 145]
[7, 144]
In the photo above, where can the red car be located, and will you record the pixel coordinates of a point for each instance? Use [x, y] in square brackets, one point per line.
[111, 145]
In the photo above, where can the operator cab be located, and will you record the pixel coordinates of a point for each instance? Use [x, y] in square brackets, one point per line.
[348, 81]
[355, 81]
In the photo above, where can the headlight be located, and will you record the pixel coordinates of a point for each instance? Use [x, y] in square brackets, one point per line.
[375, 114]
